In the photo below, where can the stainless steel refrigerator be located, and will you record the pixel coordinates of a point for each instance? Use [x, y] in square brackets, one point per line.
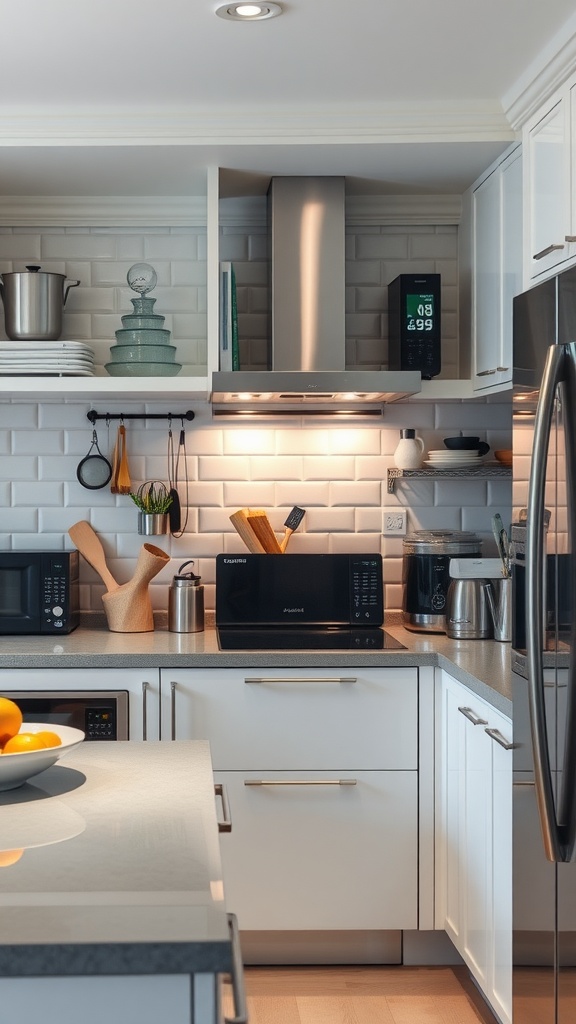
[543, 533]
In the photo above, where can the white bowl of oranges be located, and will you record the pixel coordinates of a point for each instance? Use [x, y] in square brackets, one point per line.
[28, 748]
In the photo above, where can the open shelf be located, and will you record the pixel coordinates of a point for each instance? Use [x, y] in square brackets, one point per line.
[489, 470]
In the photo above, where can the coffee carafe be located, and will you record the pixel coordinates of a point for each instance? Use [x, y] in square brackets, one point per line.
[186, 602]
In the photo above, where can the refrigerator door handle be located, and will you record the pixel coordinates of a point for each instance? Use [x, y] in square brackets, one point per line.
[554, 373]
[568, 802]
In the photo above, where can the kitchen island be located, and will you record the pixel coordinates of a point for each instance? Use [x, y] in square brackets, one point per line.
[115, 908]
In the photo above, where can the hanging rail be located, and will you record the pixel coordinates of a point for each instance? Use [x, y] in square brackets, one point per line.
[93, 416]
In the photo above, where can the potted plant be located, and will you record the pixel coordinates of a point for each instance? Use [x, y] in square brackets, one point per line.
[152, 501]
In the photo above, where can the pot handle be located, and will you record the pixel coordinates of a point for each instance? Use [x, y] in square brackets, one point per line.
[69, 285]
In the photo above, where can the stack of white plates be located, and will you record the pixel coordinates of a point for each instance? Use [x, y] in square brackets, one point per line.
[461, 459]
[46, 359]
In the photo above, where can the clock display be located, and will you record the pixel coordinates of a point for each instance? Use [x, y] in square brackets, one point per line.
[420, 313]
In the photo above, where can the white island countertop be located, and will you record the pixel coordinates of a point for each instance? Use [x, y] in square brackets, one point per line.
[120, 871]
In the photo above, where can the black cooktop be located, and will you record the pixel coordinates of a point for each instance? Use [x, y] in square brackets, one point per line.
[326, 638]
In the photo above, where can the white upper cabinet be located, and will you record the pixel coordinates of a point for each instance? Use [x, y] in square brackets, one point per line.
[549, 203]
[496, 270]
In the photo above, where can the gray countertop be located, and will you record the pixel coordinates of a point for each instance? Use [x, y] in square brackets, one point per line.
[121, 869]
[483, 665]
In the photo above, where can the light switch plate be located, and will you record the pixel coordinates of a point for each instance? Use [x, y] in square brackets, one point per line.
[394, 522]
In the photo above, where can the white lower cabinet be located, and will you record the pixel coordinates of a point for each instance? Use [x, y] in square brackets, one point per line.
[142, 686]
[474, 837]
[320, 769]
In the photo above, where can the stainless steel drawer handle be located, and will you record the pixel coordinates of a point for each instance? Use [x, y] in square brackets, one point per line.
[225, 825]
[486, 373]
[238, 990]
[300, 782]
[301, 679]
[173, 710]
[545, 252]
[494, 734]
[145, 688]
[472, 717]
[570, 238]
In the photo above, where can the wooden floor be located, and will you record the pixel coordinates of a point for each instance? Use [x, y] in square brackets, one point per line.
[361, 995]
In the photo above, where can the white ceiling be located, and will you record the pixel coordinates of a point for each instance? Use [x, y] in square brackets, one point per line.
[408, 95]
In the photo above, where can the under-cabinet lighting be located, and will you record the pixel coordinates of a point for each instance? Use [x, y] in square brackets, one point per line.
[249, 11]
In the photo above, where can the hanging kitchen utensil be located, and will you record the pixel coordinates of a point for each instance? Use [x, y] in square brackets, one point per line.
[177, 528]
[175, 511]
[94, 471]
[123, 481]
[115, 464]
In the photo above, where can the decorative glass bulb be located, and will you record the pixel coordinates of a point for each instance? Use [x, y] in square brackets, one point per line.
[142, 278]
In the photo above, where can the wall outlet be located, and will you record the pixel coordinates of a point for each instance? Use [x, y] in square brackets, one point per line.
[394, 521]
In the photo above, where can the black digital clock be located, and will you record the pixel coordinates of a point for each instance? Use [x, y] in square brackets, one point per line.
[414, 324]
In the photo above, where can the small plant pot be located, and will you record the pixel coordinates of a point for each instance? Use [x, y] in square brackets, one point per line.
[151, 524]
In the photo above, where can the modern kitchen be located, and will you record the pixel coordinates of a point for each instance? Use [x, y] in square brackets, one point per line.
[286, 525]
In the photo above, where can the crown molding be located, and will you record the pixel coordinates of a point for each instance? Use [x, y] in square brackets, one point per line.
[541, 79]
[406, 123]
[365, 210]
[403, 209]
[102, 211]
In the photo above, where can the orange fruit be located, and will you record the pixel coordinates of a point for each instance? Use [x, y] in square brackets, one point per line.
[10, 719]
[23, 742]
[8, 857]
[49, 739]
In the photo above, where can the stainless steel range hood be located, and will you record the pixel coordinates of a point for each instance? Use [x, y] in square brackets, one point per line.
[307, 370]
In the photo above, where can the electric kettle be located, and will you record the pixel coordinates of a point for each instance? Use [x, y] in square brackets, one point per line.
[467, 610]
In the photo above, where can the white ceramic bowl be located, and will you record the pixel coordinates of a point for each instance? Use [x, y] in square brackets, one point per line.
[16, 769]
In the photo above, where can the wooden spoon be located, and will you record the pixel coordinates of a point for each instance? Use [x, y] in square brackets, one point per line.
[123, 482]
[88, 544]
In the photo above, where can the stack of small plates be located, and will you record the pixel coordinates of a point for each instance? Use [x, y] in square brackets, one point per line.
[460, 459]
[46, 359]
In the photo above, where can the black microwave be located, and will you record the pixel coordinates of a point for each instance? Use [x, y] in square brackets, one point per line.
[299, 590]
[39, 592]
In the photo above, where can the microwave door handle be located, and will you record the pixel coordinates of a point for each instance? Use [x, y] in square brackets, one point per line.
[553, 375]
[568, 802]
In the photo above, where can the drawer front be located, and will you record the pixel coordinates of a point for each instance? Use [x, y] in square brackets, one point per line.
[321, 851]
[308, 719]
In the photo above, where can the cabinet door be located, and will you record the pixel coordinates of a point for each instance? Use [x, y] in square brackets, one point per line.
[498, 252]
[548, 190]
[500, 946]
[309, 852]
[475, 838]
[487, 202]
[143, 686]
[279, 719]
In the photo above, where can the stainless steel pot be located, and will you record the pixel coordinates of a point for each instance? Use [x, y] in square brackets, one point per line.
[33, 304]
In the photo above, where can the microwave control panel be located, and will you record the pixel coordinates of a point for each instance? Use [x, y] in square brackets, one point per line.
[100, 723]
[366, 585]
[59, 589]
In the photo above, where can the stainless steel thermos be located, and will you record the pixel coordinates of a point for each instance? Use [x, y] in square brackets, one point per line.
[186, 602]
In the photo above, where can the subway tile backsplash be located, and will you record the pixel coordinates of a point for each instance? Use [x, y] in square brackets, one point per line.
[337, 474]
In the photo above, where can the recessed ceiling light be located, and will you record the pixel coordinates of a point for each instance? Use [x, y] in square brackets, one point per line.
[245, 11]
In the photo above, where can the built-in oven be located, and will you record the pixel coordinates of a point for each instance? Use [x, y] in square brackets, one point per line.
[101, 714]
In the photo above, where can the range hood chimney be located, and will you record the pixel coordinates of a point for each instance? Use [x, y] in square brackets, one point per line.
[307, 371]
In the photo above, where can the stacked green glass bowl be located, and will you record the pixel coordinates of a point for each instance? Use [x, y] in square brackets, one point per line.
[142, 346]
